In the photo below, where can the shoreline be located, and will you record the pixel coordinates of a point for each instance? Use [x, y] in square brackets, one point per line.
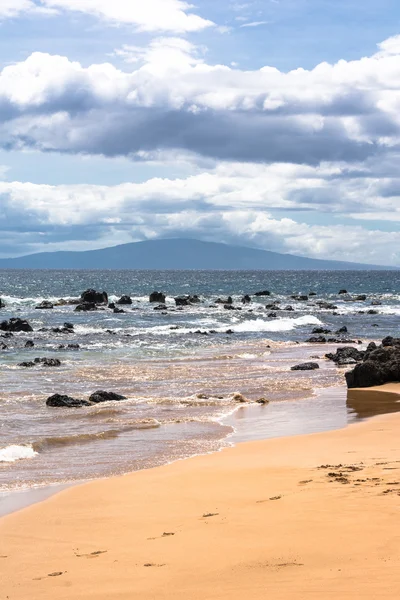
[277, 521]
[243, 419]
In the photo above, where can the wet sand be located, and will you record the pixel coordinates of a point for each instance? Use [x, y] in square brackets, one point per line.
[308, 516]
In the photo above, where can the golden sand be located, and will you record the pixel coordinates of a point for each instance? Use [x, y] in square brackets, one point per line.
[312, 516]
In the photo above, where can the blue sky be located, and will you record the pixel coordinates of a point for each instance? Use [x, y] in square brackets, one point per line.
[267, 123]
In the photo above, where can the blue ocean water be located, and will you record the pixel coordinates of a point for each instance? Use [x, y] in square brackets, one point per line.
[179, 367]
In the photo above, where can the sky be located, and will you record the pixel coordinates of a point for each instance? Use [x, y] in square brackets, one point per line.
[268, 123]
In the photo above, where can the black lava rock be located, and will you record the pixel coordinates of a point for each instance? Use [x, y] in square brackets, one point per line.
[158, 297]
[101, 396]
[16, 325]
[309, 366]
[125, 300]
[380, 365]
[62, 401]
[45, 305]
[93, 297]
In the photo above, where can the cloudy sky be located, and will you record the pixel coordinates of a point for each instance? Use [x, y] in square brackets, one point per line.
[268, 123]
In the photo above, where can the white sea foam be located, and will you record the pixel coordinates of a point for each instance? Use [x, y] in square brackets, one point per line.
[13, 453]
[285, 324]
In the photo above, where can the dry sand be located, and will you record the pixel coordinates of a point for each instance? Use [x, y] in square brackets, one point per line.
[262, 520]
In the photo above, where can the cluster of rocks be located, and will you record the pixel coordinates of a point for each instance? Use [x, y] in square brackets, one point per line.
[44, 362]
[64, 401]
[380, 364]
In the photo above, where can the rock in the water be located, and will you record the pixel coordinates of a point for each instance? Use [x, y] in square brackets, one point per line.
[380, 365]
[182, 301]
[86, 307]
[327, 305]
[246, 299]
[46, 362]
[308, 366]
[238, 397]
[63, 401]
[263, 293]
[262, 401]
[125, 300]
[321, 330]
[94, 297]
[300, 298]
[29, 344]
[158, 297]
[343, 292]
[342, 330]
[290, 308]
[3, 346]
[15, 325]
[118, 311]
[317, 340]
[2, 305]
[45, 305]
[160, 307]
[101, 396]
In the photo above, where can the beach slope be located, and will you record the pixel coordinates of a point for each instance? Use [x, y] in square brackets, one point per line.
[313, 516]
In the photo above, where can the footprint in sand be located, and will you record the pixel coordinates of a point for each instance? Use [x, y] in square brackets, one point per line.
[91, 554]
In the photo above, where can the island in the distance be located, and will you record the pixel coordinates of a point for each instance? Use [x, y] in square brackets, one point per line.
[178, 254]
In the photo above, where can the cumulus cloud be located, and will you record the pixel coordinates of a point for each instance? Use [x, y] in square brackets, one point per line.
[151, 15]
[174, 100]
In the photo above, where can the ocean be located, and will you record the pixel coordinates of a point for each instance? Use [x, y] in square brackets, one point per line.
[179, 367]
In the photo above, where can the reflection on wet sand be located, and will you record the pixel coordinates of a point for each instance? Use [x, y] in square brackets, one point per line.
[370, 402]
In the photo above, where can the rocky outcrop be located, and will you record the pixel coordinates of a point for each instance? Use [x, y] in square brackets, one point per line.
[308, 366]
[16, 325]
[45, 305]
[94, 297]
[86, 307]
[380, 365]
[125, 300]
[158, 297]
[346, 356]
[102, 396]
[63, 401]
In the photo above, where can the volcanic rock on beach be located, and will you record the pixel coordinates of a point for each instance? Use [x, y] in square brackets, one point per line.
[379, 366]
[309, 366]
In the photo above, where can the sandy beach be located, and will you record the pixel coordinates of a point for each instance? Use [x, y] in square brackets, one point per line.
[309, 516]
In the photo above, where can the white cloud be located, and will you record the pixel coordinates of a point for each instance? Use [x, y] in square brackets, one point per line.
[255, 24]
[233, 202]
[148, 15]
[173, 99]
[12, 8]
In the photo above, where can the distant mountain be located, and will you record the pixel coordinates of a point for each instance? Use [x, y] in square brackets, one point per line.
[177, 254]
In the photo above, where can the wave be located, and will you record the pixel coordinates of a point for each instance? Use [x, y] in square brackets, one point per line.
[285, 324]
[13, 453]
